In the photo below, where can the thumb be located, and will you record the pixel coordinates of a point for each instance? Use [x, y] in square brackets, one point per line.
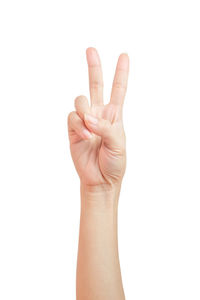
[101, 127]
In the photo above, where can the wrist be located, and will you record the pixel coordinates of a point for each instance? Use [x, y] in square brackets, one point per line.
[101, 196]
[100, 188]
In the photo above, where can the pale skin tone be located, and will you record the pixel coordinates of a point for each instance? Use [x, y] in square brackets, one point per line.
[98, 151]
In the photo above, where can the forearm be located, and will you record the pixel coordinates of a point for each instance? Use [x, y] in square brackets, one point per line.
[98, 268]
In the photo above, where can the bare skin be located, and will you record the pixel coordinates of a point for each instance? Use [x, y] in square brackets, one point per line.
[98, 149]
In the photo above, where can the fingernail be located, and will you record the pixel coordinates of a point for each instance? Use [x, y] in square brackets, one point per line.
[91, 119]
[87, 134]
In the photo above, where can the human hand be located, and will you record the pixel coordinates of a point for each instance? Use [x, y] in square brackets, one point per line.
[96, 132]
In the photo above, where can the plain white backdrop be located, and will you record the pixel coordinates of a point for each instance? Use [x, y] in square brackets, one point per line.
[42, 69]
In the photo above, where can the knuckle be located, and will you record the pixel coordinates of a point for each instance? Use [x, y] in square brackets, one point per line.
[70, 116]
[95, 84]
[79, 98]
[120, 85]
[80, 102]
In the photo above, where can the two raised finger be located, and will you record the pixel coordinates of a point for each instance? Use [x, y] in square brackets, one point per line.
[120, 81]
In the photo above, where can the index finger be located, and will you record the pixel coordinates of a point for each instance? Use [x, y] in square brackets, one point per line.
[95, 76]
[120, 81]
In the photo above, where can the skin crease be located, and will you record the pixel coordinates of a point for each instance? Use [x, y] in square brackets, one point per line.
[98, 150]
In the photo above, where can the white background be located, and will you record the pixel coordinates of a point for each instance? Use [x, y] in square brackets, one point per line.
[42, 69]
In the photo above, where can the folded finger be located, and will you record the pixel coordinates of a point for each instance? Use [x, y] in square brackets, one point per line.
[76, 125]
[82, 106]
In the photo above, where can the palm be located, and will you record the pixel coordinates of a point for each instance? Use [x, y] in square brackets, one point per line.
[91, 157]
[96, 162]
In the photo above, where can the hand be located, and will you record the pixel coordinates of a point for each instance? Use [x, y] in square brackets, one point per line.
[96, 133]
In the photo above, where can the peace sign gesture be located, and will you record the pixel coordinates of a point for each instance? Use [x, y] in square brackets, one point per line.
[96, 133]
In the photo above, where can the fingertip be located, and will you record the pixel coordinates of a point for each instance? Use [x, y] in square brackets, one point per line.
[125, 53]
[123, 61]
[92, 56]
[88, 49]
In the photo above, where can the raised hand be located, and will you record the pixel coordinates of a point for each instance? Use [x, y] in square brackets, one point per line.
[96, 132]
